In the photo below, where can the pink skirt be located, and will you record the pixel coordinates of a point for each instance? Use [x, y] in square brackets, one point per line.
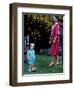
[54, 49]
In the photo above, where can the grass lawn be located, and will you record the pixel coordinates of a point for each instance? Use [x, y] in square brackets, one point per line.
[42, 61]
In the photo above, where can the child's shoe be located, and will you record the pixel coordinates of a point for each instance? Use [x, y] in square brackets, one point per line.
[33, 69]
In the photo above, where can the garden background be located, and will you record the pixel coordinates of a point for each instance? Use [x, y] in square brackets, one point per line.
[37, 29]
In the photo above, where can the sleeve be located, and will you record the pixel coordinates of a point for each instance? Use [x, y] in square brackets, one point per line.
[58, 29]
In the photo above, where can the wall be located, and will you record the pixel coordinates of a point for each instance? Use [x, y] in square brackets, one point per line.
[4, 46]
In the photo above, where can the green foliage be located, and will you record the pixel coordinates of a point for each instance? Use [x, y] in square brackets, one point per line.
[43, 19]
[37, 25]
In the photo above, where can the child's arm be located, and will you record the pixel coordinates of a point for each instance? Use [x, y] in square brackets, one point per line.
[34, 55]
[28, 55]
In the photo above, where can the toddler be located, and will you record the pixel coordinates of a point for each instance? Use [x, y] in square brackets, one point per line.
[31, 58]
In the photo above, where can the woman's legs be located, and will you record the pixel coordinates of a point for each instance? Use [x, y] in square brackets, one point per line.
[57, 60]
[52, 61]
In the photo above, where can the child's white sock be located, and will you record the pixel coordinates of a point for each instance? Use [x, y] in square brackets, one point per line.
[29, 69]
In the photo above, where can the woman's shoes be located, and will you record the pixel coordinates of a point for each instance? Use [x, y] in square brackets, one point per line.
[51, 64]
[57, 64]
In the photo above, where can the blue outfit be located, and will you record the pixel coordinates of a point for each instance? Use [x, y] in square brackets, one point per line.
[31, 56]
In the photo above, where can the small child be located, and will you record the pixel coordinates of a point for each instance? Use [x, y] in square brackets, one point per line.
[31, 58]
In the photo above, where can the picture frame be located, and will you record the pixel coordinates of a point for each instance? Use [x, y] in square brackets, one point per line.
[15, 65]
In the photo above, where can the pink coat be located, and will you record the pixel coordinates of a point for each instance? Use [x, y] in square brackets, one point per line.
[55, 33]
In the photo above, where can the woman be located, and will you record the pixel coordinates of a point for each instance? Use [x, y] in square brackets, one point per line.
[55, 40]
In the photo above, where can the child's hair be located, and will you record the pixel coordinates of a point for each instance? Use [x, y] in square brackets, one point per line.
[32, 44]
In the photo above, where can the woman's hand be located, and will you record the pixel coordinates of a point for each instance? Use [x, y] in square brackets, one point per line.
[49, 42]
[55, 39]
